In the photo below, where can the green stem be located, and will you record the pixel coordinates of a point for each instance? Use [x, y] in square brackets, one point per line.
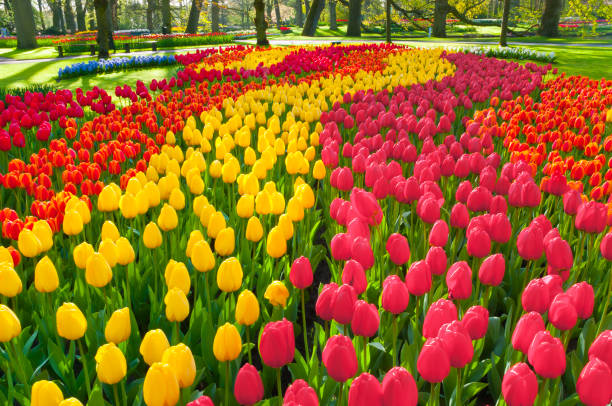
[85, 370]
[279, 386]
[365, 353]
[304, 326]
[116, 395]
[487, 297]
[24, 379]
[394, 354]
[459, 386]
[227, 383]
[606, 303]
[340, 394]
[127, 286]
[433, 401]
[177, 333]
[542, 396]
[248, 334]
[9, 380]
[207, 289]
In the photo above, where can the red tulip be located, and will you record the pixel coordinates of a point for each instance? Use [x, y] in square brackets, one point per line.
[365, 319]
[591, 217]
[571, 202]
[428, 210]
[357, 227]
[361, 251]
[520, 385]
[526, 328]
[547, 355]
[300, 394]
[325, 302]
[365, 391]
[344, 304]
[248, 388]
[436, 259]
[562, 313]
[366, 206]
[605, 247]
[277, 343]
[459, 280]
[498, 203]
[530, 243]
[536, 297]
[418, 278]
[440, 312]
[398, 249]
[301, 273]
[438, 236]
[479, 199]
[395, 295]
[478, 243]
[583, 299]
[500, 229]
[463, 191]
[554, 284]
[602, 348]
[339, 358]
[559, 254]
[202, 401]
[433, 363]
[341, 247]
[354, 275]
[399, 388]
[492, 269]
[476, 321]
[459, 217]
[594, 385]
[457, 343]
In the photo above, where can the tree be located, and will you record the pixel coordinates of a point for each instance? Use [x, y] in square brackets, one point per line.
[166, 17]
[102, 20]
[277, 14]
[40, 13]
[388, 21]
[307, 6]
[333, 24]
[299, 16]
[194, 17]
[80, 15]
[260, 23]
[58, 15]
[353, 28]
[439, 23]
[312, 19]
[503, 41]
[549, 24]
[69, 16]
[214, 16]
[24, 24]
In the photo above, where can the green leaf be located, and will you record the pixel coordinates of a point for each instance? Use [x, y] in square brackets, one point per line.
[96, 398]
[471, 389]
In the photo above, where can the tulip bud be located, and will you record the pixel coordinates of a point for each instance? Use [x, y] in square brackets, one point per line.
[478, 243]
[118, 328]
[325, 301]
[153, 346]
[177, 306]
[398, 249]
[520, 385]
[365, 391]
[276, 245]
[73, 223]
[29, 245]
[492, 269]
[247, 308]
[10, 326]
[457, 343]
[301, 273]
[11, 284]
[202, 257]
[109, 250]
[98, 272]
[277, 343]
[547, 355]
[339, 358]
[459, 281]
[460, 216]
[181, 361]
[399, 388]
[438, 236]
[160, 385]
[354, 275]
[110, 364]
[476, 321]
[418, 278]
[225, 242]
[46, 393]
[583, 299]
[365, 320]
[562, 313]
[151, 236]
[436, 260]
[395, 295]
[526, 329]
[70, 321]
[227, 343]
[248, 388]
[536, 297]
[81, 254]
[126, 252]
[344, 304]
[277, 294]
[440, 312]
[594, 385]
[254, 230]
[299, 393]
[229, 275]
[602, 348]
[433, 363]
[530, 243]
[109, 230]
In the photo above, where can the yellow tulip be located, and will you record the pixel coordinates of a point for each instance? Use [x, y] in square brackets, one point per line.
[70, 402]
[318, 170]
[276, 245]
[151, 236]
[73, 223]
[10, 282]
[133, 186]
[229, 275]
[5, 256]
[168, 219]
[247, 308]
[305, 195]
[286, 226]
[194, 237]
[202, 257]
[198, 203]
[215, 169]
[81, 254]
[142, 202]
[278, 202]
[216, 223]
[263, 203]
[177, 199]
[254, 230]
[10, 326]
[225, 242]
[245, 206]
[177, 306]
[80, 206]
[181, 361]
[45, 276]
[109, 250]
[227, 343]
[29, 245]
[205, 214]
[125, 251]
[98, 272]
[153, 346]
[177, 276]
[161, 387]
[153, 194]
[130, 206]
[46, 393]
[295, 209]
[108, 200]
[70, 321]
[249, 156]
[251, 184]
[110, 364]
[110, 231]
[277, 294]
[42, 230]
[118, 328]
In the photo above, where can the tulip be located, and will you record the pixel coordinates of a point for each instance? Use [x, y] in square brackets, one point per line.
[354, 275]
[70, 321]
[365, 319]
[341, 245]
[254, 230]
[433, 363]
[562, 313]
[46, 393]
[459, 281]
[110, 364]
[438, 236]
[339, 358]
[366, 206]
[277, 343]
[229, 275]
[301, 273]
[248, 388]
[276, 245]
[81, 254]
[225, 242]
[277, 294]
[398, 249]
[98, 272]
[418, 278]
[520, 385]
[109, 251]
[399, 388]
[177, 276]
[73, 223]
[43, 232]
[29, 245]
[227, 343]
[118, 328]
[460, 216]
[109, 230]
[202, 257]
[151, 236]
[492, 269]
[180, 359]
[126, 252]
[365, 391]
[602, 348]
[478, 243]
[395, 295]
[168, 219]
[440, 312]
[153, 346]
[536, 297]
[10, 283]
[247, 308]
[177, 305]
[201, 401]
[70, 402]
[583, 299]
[161, 387]
[436, 260]
[457, 343]
[10, 326]
[526, 329]
[594, 385]
[530, 243]
[476, 321]
[547, 355]
[325, 301]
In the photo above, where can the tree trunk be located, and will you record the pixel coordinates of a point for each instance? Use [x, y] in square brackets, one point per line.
[151, 7]
[114, 13]
[69, 16]
[101, 7]
[307, 6]
[260, 23]
[333, 24]
[312, 19]
[269, 10]
[214, 16]
[388, 21]
[80, 15]
[277, 14]
[353, 28]
[91, 14]
[194, 17]
[439, 23]
[503, 41]
[24, 24]
[40, 13]
[549, 23]
[166, 17]
[299, 16]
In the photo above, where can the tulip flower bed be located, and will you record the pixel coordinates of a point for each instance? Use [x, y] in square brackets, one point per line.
[361, 225]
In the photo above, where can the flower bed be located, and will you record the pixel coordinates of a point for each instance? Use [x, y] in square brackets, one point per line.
[114, 65]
